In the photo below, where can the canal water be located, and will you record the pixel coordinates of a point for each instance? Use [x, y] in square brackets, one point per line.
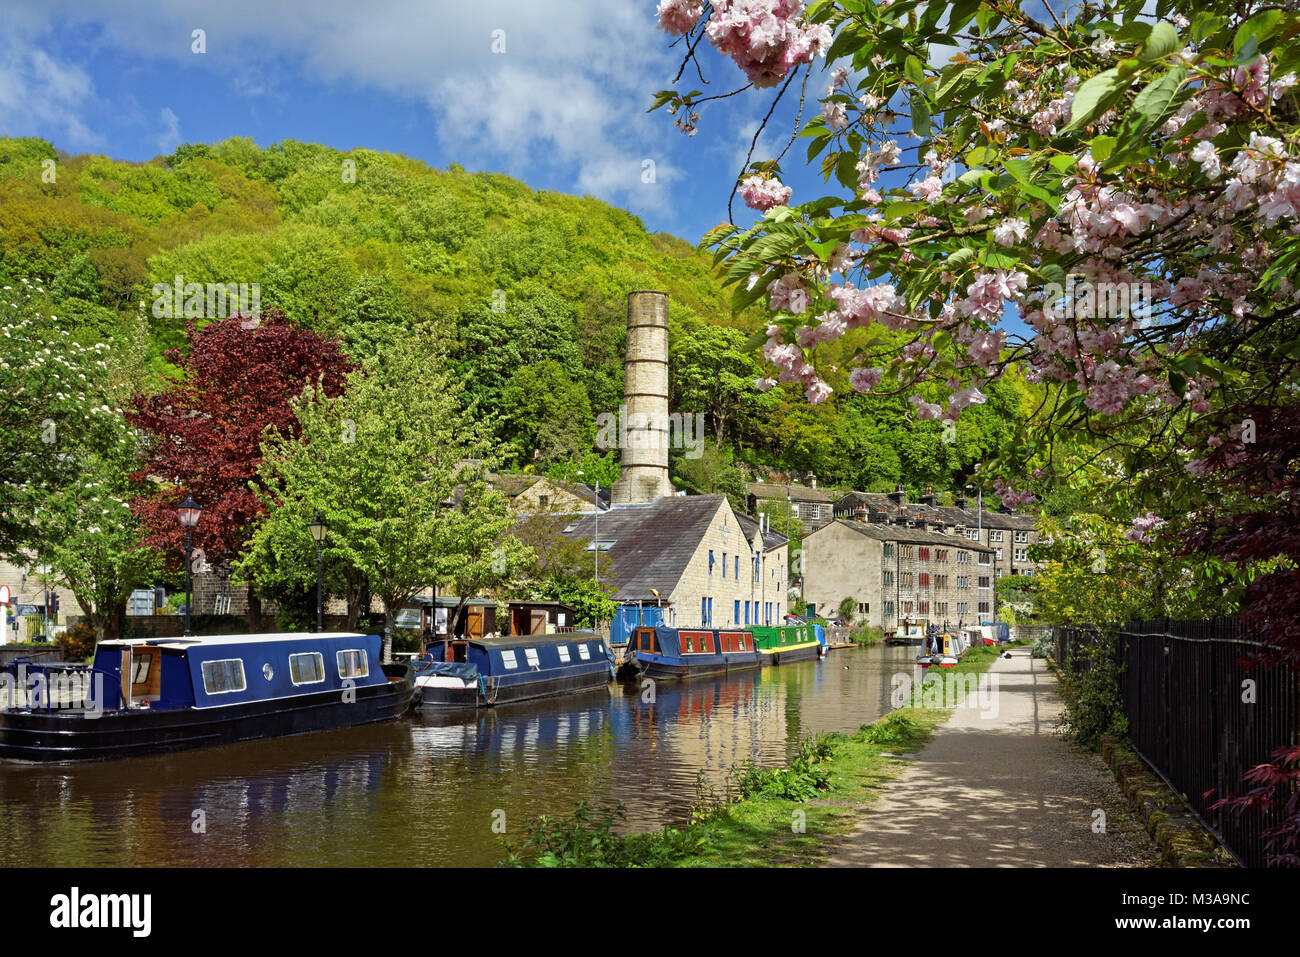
[435, 790]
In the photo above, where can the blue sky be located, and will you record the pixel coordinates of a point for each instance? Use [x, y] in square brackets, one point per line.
[562, 108]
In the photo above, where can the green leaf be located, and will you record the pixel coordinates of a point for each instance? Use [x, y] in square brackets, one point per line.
[920, 115]
[1102, 147]
[1094, 97]
[1162, 42]
[913, 70]
[1157, 99]
[1258, 28]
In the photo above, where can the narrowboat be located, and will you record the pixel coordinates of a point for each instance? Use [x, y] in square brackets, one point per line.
[143, 696]
[946, 650]
[482, 672]
[663, 652]
[910, 631]
[783, 644]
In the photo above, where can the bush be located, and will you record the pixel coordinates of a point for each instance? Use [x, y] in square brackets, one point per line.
[1044, 646]
[1093, 705]
[77, 643]
[867, 635]
[807, 775]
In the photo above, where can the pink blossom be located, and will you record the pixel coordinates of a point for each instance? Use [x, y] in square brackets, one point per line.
[764, 192]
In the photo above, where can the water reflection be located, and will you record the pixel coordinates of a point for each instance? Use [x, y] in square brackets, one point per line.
[428, 790]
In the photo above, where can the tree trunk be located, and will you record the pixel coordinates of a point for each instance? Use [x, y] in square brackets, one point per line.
[254, 609]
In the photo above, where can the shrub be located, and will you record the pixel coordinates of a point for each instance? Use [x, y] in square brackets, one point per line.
[1093, 706]
[77, 643]
[867, 635]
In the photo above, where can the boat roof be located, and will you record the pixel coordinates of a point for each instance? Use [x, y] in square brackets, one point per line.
[532, 641]
[219, 640]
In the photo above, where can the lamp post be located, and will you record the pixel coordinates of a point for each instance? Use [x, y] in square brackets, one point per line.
[188, 513]
[317, 528]
[597, 530]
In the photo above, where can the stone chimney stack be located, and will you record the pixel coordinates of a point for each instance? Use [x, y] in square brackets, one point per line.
[899, 496]
[644, 477]
[928, 498]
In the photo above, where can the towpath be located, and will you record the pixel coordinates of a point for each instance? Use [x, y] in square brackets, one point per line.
[1001, 790]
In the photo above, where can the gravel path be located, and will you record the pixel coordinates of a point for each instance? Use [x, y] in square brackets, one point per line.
[1001, 790]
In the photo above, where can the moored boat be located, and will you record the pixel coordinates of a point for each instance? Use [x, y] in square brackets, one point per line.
[783, 644]
[143, 696]
[910, 631]
[663, 652]
[945, 651]
[483, 672]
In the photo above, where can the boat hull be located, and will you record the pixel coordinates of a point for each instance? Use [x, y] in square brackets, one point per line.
[786, 656]
[669, 669]
[505, 692]
[54, 736]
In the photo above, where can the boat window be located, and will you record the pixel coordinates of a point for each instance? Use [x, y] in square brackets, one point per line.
[508, 659]
[531, 655]
[140, 669]
[352, 663]
[222, 677]
[583, 653]
[307, 668]
[564, 653]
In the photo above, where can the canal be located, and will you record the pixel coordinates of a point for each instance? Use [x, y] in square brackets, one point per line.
[428, 790]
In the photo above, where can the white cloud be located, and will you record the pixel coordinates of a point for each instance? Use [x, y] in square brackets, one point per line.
[170, 137]
[41, 96]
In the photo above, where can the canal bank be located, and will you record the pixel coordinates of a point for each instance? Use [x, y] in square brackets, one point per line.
[791, 815]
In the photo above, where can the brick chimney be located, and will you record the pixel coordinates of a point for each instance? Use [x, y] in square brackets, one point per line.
[898, 496]
[928, 497]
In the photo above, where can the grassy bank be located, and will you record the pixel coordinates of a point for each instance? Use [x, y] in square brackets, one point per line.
[765, 817]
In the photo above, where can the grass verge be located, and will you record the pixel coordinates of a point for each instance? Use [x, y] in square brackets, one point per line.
[764, 817]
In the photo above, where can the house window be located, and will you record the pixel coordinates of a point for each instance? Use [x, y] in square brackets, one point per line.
[710, 561]
[984, 581]
[907, 579]
[925, 554]
[794, 510]
[995, 535]
[542, 500]
[886, 578]
[736, 568]
[508, 659]
[963, 558]
[864, 608]
[984, 608]
[924, 608]
[906, 551]
[941, 608]
[531, 655]
[704, 611]
[925, 579]
[1022, 554]
[889, 550]
[984, 557]
[999, 554]
[889, 609]
[816, 512]
[962, 607]
[907, 608]
[224, 677]
[352, 663]
[1022, 538]
[307, 668]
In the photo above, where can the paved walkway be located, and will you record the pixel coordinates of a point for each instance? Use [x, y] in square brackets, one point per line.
[1004, 790]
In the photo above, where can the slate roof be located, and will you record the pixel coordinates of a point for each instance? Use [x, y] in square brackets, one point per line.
[771, 539]
[798, 493]
[948, 514]
[653, 544]
[911, 536]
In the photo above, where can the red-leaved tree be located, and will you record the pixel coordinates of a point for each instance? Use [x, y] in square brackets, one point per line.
[205, 431]
[1262, 464]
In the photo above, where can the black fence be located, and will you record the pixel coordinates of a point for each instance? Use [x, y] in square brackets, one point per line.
[1201, 714]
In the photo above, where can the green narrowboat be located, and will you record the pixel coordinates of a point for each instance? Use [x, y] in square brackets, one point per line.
[783, 644]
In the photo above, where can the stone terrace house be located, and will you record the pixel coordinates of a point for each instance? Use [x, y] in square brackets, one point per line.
[1007, 534]
[897, 569]
[813, 506]
[710, 565]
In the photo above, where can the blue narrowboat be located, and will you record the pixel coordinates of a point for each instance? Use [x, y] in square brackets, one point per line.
[482, 672]
[143, 696]
[663, 652]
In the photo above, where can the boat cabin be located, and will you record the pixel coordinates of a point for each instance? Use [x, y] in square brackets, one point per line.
[675, 643]
[522, 654]
[168, 673]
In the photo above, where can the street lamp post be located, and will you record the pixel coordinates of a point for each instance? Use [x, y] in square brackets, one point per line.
[597, 530]
[317, 528]
[188, 513]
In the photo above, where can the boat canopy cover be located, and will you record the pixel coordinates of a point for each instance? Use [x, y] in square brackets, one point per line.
[452, 669]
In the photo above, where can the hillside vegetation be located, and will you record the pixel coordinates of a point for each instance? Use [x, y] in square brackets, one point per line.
[529, 289]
